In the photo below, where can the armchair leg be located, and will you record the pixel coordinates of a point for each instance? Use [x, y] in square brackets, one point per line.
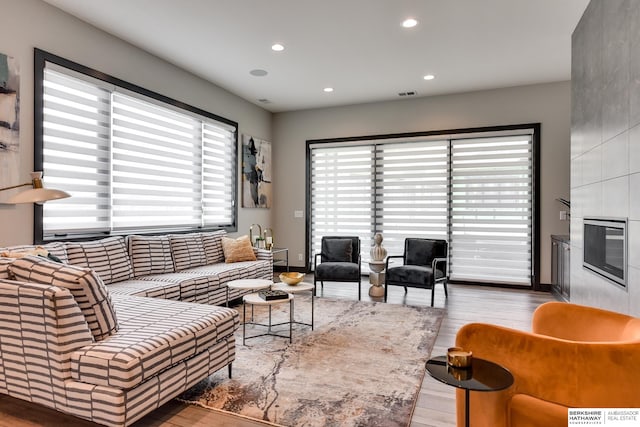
[405, 289]
[446, 294]
[433, 293]
[359, 290]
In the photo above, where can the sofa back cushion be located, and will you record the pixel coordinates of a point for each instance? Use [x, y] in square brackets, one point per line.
[187, 251]
[4, 268]
[107, 257]
[212, 242]
[57, 249]
[86, 287]
[150, 255]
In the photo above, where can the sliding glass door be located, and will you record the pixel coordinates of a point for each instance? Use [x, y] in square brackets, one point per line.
[476, 191]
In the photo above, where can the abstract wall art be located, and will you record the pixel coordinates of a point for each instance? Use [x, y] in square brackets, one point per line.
[256, 172]
[9, 121]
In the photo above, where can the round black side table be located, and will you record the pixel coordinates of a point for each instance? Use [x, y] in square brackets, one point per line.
[483, 375]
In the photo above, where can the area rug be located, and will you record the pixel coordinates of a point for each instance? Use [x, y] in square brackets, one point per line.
[363, 365]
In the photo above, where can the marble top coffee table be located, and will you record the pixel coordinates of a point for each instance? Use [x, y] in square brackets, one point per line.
[300, 287]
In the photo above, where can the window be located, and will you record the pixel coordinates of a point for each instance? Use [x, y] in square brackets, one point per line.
[133, 161]
[474, 189]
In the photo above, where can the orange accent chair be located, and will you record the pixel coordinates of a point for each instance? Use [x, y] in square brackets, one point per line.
[575, 357]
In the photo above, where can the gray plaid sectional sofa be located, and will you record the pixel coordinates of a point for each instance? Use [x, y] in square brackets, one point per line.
[121, 325]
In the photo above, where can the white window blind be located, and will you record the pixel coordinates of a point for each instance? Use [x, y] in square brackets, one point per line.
[131, 163]
[218, 179]
[342, 194]
[76, 153]
[411, 192]
[491, 209]
[156, 166]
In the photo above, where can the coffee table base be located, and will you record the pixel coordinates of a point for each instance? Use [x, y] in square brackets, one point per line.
[268, 326]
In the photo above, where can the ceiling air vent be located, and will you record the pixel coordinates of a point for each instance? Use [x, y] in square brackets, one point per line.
[408, 93]
[264, 101]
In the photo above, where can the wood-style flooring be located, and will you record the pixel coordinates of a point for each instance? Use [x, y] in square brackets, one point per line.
[436, 403]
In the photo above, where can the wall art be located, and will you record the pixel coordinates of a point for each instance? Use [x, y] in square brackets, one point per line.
[256, 172]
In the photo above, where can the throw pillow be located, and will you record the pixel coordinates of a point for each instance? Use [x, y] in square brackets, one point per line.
[236, 250]
[87, 289]
[337, 250]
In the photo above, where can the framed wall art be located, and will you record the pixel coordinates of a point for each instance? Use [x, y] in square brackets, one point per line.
[256, 172]
[9, 121]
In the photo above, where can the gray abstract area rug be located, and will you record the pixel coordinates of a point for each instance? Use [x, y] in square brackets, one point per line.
[362, 365]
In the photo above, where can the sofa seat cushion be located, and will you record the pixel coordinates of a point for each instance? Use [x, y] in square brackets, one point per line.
[182, 286]
[235, 271]
[154, 335]
[150, 255]
[86, 287]
[107, 257]
[527, 411]
[147, 288]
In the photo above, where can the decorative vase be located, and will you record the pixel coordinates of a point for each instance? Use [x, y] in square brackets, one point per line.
[377, 252]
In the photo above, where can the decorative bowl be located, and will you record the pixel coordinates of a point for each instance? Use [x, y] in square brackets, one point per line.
[292, 278]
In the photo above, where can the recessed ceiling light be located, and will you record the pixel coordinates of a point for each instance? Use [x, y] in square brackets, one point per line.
[258, 72]
[409, 23]
[328, 89]
[277, 47]
[429, 77]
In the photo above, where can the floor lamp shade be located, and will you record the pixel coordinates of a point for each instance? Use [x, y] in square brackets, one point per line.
[37, 193]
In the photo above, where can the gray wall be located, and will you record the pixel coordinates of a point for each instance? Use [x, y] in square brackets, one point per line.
[605, 142]
[545, 103]
[31, 23]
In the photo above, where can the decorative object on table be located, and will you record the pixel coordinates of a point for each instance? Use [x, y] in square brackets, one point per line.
[37, 193]
[457, 357]
[255, 232]
[292, 278]
[269, 295]
[347, 356]
[268, 238]
[9, 121]
[378, 252]
[256, 172]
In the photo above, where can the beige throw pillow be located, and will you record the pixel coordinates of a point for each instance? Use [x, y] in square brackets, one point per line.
[236, 250]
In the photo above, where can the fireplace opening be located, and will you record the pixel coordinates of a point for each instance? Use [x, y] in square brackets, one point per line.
[605, 248]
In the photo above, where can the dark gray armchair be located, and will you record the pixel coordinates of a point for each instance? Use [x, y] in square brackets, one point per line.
[339, 261]
[424, 265]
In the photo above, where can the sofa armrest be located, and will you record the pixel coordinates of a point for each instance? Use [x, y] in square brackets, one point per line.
[263, 255]
[40, 328]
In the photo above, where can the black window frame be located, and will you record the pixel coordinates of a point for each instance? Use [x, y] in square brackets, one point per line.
[41, 57]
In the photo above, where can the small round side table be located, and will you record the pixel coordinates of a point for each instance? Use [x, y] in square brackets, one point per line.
[483, 375]
[300, 287]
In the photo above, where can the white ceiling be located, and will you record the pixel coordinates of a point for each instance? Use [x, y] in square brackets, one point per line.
[357, 47]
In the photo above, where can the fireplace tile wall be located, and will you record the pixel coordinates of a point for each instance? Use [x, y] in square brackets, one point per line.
[605, 142]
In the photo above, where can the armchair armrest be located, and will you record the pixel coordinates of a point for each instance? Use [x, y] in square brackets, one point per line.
[436, 261]
[315, 260]
[581, 323]
[392, 256]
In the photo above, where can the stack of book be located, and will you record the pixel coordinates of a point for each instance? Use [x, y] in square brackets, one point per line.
[269, 295]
